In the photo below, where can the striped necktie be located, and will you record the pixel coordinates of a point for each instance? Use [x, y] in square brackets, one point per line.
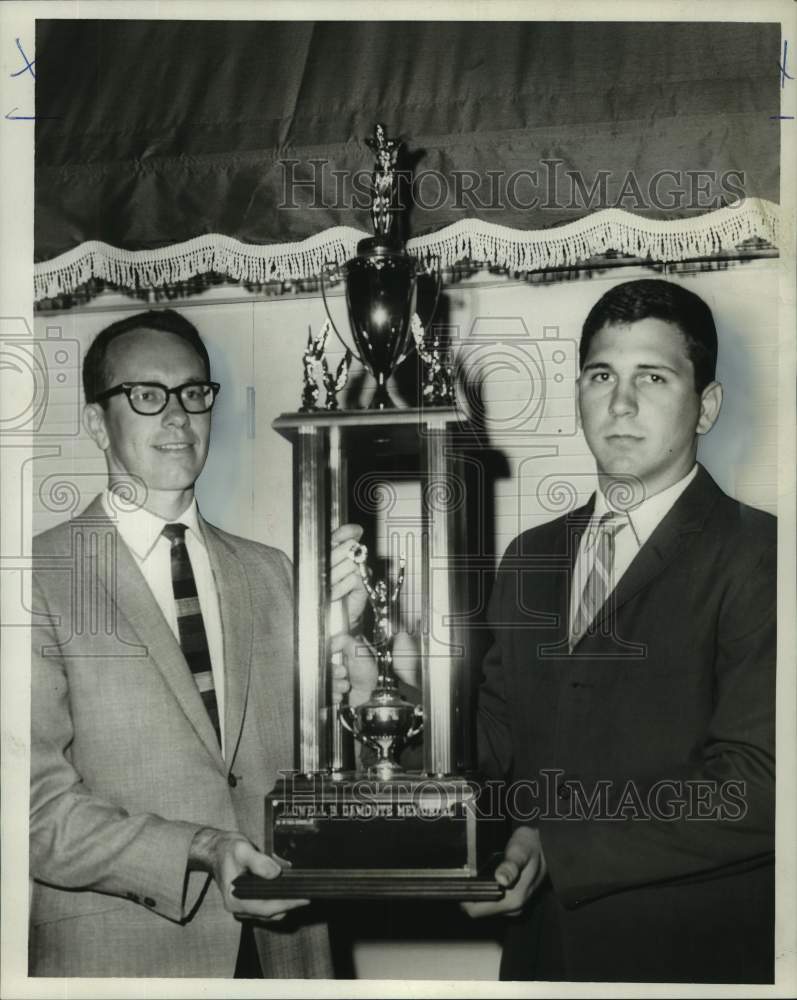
[599, 584]
[191, 628]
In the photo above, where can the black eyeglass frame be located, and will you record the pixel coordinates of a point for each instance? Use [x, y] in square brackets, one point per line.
[128, 387]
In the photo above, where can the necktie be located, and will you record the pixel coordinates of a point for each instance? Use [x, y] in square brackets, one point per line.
[599, 581]
[191, 628]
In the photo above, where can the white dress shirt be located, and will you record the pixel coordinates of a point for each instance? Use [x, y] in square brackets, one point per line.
[141, 531]
[639, 524]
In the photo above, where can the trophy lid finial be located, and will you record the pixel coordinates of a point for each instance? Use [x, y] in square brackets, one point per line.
[383, 183]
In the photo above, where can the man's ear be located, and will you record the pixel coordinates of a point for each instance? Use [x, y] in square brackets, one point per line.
[710, 404]
[94, 423]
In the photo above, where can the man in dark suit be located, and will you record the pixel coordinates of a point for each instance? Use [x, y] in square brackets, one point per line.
[162, 687]
[629, 696]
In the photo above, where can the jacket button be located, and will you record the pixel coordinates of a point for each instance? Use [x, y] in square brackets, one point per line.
[148, 901]
[232, 781]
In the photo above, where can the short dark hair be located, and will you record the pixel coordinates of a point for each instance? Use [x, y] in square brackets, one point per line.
[95, 369]
[658, 299]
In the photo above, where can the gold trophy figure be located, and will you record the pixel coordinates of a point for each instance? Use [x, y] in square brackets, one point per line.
[382, 181]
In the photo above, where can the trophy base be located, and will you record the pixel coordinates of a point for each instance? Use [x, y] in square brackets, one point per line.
[355, 837]
[317, 885]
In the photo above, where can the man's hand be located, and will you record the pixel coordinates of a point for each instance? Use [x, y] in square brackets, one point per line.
[356, 675]
[344, 576]
[521, 872]
[226, 855]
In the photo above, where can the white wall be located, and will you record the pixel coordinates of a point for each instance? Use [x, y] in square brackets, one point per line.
[509, 333]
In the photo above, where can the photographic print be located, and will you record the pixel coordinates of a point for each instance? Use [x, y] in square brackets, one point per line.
[398, 498]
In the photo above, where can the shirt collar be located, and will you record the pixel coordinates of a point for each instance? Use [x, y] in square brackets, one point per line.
[646, 516]
[140, 529]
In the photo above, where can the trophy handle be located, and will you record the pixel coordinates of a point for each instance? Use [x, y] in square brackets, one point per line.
[332, 321]
[417, 724]
[426, 322]
[348, 719]
[430, 317]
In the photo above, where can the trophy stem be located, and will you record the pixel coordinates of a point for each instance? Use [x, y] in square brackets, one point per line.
[381, 400]
[386, 679]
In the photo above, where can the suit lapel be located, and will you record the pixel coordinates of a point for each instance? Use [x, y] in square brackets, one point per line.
[687, 516]
[237, 618]
[554, 596]
[135, 603]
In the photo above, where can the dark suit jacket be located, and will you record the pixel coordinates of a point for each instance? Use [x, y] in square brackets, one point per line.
[651, 746]
[125, 765]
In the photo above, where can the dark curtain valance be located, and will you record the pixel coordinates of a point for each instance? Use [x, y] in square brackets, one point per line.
[154, 133]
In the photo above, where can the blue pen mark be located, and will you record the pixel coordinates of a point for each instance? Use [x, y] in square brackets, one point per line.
[11, 117]
[28, 67]
[784, 76]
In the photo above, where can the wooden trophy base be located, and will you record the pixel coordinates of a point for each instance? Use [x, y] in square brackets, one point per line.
[356, 837]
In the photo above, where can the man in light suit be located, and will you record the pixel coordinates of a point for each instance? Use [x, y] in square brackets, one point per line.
[162, 683]
[629, 698]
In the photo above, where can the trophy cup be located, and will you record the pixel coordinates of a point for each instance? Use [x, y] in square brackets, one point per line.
[381, 281]
[353, 818]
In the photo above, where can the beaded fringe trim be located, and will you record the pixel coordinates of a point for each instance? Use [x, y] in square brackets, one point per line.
[611, 229]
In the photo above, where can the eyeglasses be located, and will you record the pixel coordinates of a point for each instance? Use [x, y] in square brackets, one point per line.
[151, 398]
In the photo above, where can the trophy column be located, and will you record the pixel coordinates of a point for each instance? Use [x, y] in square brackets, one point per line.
[442, 511]
[312, 541]
[319, 488]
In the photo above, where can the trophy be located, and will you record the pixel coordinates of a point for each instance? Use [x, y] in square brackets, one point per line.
[380, 281]
[386, 721]
[382, 801]
[312, 359]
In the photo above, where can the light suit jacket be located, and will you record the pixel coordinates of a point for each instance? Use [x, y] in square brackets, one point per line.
[125, 765]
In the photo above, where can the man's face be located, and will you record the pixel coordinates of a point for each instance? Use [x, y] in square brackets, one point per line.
[168, 450]
[639, 409]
